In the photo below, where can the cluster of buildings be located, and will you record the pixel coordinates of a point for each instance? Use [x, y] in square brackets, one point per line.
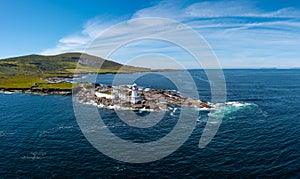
[123, 92]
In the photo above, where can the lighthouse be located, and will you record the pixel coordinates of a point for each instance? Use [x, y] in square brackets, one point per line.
[134, 94]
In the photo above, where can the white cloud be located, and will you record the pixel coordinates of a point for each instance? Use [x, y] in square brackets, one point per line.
[166, 9]
[213, 9]
[235, 30]
[75, 43]
[75, 40]
[78, 42]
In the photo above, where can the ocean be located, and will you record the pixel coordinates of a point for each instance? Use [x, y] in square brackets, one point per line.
[259, 135]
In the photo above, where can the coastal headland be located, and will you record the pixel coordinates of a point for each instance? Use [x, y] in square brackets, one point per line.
[39, 74]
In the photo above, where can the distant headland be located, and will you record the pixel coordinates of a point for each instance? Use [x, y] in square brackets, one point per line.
[39, 74]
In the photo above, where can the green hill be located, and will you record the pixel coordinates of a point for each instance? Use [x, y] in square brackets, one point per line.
[25, 71]
[60, 64]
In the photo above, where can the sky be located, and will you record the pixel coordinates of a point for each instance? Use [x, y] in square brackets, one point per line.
[242, 34]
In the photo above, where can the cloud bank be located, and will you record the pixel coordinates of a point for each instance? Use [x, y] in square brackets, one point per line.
[241, 34]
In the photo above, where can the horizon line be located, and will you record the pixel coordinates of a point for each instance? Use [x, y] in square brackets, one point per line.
[226, 68]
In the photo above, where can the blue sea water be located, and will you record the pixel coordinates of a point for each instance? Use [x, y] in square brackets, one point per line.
[258, 137]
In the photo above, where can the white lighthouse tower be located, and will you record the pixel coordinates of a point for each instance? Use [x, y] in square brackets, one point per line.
[134, 94]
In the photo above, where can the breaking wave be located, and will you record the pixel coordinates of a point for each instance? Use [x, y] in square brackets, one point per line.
[225, 110]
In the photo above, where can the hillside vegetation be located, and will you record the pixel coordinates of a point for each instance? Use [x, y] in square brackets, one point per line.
[27, 71]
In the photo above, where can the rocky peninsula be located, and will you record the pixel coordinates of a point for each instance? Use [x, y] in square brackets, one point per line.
[129, 97]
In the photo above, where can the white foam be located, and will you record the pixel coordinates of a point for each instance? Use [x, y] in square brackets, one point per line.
[229, 104]
[175, 109]
[199, 119]
[221, 109]
[65, 127]
[204, 109]
[7, 92]
[3, 133]
[175, 91]
[238, 104]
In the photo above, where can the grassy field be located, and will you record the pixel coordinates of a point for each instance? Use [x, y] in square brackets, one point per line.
[62, 85]
[20, 81]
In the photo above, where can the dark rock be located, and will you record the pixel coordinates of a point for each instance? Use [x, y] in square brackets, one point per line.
[138, 106]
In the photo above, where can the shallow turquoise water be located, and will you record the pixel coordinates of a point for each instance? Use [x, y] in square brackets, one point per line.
[258, 137]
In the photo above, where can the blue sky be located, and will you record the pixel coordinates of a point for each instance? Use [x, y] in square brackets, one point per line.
[243, 34]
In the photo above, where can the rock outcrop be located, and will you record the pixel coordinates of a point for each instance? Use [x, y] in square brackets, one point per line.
[153, 99]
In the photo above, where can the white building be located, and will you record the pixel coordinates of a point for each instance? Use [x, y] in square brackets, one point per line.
[135, 98]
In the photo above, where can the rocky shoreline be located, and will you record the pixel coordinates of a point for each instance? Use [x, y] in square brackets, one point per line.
[119, 97]
[50, 91]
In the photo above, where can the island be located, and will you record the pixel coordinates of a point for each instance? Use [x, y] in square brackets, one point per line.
[131, 97]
